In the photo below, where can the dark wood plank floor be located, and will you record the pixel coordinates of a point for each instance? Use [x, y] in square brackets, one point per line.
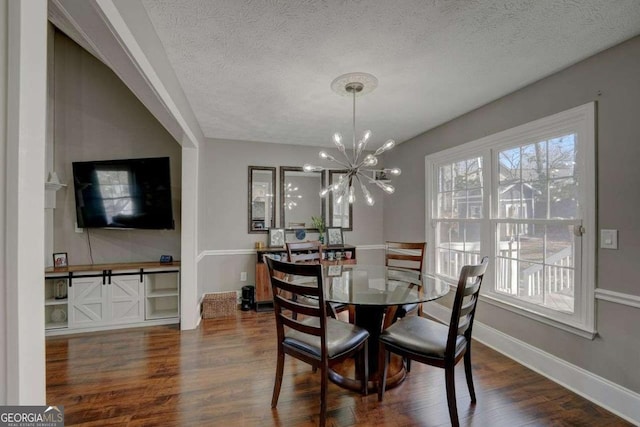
[222, 374]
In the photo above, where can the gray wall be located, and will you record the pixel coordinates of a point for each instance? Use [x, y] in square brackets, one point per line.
[4, 339]
[98, 118]
[222, 201]
[612, 78]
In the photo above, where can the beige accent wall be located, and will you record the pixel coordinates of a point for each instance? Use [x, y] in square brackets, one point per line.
[223, 208]
[612, 79]
[98, 118]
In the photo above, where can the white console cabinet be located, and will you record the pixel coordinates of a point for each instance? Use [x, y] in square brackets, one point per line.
[110, 296]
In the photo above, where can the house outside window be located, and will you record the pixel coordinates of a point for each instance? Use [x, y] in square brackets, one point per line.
[526, 197]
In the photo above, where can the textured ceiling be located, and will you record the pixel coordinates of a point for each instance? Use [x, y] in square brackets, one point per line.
[261, 70]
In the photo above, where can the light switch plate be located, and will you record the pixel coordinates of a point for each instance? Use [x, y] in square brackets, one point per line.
[609, 239]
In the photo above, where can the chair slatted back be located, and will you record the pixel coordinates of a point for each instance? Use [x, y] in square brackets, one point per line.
[304, 251]
[465, 302]
[407, 255]
[289, 301]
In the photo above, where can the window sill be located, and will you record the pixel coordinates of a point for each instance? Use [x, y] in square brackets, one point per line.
[573, 328]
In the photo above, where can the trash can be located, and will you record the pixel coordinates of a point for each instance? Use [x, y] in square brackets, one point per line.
[247, 298]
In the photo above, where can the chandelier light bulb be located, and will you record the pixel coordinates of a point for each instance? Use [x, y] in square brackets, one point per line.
[367, 194]
[337, 139]
[363, 142]
[352, 194]
[370, 160]
[394, 171]
[387, 188]
[326, 156]
[325, 191]
[385, 147]
[312, 168]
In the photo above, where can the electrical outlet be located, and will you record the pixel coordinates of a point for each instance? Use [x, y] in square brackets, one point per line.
[243, 276]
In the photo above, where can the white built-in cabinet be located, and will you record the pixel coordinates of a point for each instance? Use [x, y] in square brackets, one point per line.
[99, 297]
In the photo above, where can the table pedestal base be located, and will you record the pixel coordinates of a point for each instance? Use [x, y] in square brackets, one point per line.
[345, 375]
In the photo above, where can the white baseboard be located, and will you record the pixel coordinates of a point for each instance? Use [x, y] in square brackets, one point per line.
[609, 395]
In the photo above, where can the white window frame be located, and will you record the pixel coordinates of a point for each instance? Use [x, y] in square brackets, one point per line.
[579, 120]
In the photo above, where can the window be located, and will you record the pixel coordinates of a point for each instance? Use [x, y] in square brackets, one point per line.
[526, 197]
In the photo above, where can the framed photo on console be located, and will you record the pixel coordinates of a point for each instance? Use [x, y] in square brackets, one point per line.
[60, 260]
[276, 237]
[334, 236]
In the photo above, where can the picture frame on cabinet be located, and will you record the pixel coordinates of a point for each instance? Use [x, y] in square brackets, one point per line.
[334, 236]
[60, 260]
[276, 237]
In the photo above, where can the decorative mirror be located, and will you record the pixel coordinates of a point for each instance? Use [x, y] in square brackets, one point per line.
[340, 214]
[300, 197]
[262, 207]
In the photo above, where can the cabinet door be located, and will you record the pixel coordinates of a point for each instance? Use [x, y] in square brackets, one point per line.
[88, 301]
[126, 302]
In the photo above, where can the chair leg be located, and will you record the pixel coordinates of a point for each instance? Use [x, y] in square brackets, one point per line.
[449, 373]
[364, 363]
[383, 364]
[467, 372]
[324, 384]
[278, 381]
[331, 311]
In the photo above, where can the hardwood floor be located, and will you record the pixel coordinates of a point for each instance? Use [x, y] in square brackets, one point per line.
[222, 374]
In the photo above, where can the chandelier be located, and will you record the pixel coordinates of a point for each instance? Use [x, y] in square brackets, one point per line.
[358, 166]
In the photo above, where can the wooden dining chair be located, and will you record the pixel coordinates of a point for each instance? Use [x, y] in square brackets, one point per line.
[407, 255]
[435, 344]
[410, 256]
[305, 251]
[311, 252]
[313, 337]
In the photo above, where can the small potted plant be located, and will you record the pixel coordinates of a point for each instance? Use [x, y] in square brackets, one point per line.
[318, 222]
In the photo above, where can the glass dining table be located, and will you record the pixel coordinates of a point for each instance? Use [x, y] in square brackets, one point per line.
[375, 292]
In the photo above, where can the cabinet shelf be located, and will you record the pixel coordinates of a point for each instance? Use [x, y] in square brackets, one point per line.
[162, 293]
[162, 314]
[55, 325]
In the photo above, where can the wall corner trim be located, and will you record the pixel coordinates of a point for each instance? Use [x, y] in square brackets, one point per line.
[621, 401]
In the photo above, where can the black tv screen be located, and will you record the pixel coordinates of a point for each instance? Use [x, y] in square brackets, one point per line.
[130, 193]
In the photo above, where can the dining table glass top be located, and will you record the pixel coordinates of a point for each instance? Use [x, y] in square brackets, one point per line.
[378, 285]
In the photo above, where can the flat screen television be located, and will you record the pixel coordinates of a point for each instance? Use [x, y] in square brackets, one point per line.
[128, 193]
